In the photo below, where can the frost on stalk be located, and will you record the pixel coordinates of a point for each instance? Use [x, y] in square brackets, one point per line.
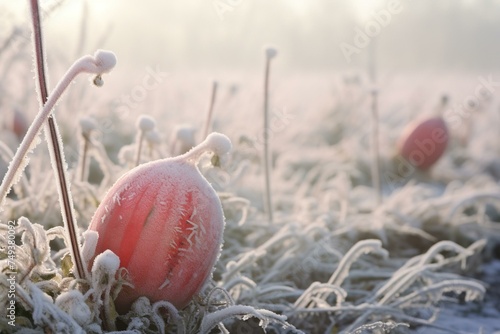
[104, 271]
[89, 245]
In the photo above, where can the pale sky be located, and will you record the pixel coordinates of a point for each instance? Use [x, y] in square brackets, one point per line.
[310, 34]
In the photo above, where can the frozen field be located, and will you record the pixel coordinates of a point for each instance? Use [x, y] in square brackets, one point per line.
[417, 253]
[323, 198]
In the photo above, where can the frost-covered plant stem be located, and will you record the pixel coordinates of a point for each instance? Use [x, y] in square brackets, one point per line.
[101, 62]
[145, 124]
[375, 147]
[85, 148]
[360, 248]
[87, 125]
[138, 151]
[55, 145]
[270, 54]
[375, 170]
[208, 121]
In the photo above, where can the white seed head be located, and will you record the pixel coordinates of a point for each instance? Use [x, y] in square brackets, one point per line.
[146, 123]
[104, 60]
[185, 133]
[218, 143]
[87, 125]
[106, 263]
[271, 52]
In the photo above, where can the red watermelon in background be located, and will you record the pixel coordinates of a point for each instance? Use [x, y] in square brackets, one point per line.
[424, 142]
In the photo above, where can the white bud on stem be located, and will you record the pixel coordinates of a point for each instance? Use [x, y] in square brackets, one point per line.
[271, 52]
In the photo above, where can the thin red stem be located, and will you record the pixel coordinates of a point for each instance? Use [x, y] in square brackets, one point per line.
[55, 145]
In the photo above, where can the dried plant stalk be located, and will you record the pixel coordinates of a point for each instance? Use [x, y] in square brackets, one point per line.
[55, 147]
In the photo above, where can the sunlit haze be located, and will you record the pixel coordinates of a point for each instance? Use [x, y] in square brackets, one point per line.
[228, 34]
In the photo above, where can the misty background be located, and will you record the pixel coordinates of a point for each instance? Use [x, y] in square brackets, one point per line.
[230, 34]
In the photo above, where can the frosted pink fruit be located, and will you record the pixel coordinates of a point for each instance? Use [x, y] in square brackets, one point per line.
[424, 142]
[165, 223]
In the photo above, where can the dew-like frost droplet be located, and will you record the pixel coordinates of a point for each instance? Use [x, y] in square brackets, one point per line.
[98, 81]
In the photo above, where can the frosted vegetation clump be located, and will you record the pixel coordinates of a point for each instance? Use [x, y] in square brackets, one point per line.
[330, 259]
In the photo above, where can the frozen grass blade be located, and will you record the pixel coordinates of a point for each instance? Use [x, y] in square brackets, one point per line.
[308, 298]
[376, 327]
[173, 314]
[360, 248]
[6, 154]
[211, 320]
[473, 291]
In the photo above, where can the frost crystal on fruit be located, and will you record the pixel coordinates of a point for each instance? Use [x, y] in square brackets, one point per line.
[165, 223]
